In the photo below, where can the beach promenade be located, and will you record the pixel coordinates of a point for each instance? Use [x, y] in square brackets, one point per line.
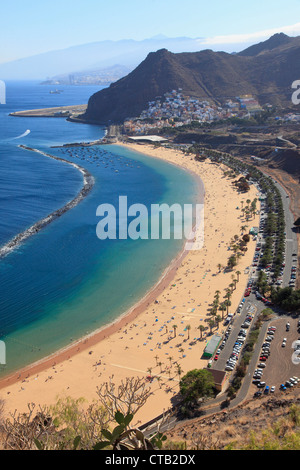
[160, 337]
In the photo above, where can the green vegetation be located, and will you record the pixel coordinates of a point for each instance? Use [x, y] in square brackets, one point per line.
[196, 384]
[283, 435]
[287, 298]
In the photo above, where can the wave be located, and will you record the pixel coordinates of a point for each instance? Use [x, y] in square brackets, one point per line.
[22, 135]
[9, 139]
[88, 183]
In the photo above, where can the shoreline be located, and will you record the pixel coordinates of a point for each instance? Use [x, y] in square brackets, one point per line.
[169, 300]
[122, 320]
[57, 111]
[88, 183]
[100, 334]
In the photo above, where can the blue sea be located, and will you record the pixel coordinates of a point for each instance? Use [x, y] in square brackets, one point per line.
[63, 282]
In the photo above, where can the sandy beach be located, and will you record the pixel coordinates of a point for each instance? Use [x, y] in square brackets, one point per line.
[144, 341]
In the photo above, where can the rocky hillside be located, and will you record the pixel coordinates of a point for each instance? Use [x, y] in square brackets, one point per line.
[265, 71]
[286, 160]
[268, 421]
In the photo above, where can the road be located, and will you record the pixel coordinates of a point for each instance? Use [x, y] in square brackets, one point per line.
[291, 236]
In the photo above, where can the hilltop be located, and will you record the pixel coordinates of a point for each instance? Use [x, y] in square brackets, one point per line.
[265, 71]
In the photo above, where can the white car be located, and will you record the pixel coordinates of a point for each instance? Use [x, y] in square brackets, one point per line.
[272, 390]
[241, 339]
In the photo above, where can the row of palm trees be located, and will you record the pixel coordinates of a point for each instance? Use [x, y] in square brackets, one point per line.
[275, 226]
[249, 211]
[223, 306]
[164, 369]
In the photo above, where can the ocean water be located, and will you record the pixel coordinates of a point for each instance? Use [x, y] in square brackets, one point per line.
[63, 282]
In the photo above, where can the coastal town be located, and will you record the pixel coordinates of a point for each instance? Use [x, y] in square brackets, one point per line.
[175, 109]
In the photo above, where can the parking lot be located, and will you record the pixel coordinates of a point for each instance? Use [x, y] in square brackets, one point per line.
[280, 364]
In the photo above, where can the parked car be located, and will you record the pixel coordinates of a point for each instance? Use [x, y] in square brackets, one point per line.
[261, 385]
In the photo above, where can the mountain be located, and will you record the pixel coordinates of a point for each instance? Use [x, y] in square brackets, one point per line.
[103, 54]
[279, 39]
[94, 56]
[266, 72]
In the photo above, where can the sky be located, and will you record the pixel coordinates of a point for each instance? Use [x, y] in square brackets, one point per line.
[33, 26]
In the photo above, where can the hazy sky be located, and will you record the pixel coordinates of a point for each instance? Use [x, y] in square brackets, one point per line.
[31, 27]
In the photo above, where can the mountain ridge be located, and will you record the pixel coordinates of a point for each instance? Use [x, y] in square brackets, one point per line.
[91, 56]
[205, 74]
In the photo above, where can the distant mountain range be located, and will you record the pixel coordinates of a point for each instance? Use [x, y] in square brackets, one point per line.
[266, 71]
[92, 57]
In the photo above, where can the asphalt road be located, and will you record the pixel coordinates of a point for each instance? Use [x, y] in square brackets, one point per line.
[291, 236]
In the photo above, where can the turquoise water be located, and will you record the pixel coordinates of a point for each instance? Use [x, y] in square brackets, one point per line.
[64, 282]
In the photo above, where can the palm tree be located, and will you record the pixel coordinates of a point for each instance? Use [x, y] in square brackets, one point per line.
[188, 327]
[227, 303]
[175, 328]
[159, 380]
[253, 207]
[179, 370]
[219, 267]
[201, 328]
[238, 273]
[211, 324]
[218, 320]
[228, 294]
[223, 309]
[217, 296]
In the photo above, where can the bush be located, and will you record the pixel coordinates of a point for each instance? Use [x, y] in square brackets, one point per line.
[197, 383]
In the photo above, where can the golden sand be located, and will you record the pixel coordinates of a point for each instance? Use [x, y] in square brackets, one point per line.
[145, 341]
